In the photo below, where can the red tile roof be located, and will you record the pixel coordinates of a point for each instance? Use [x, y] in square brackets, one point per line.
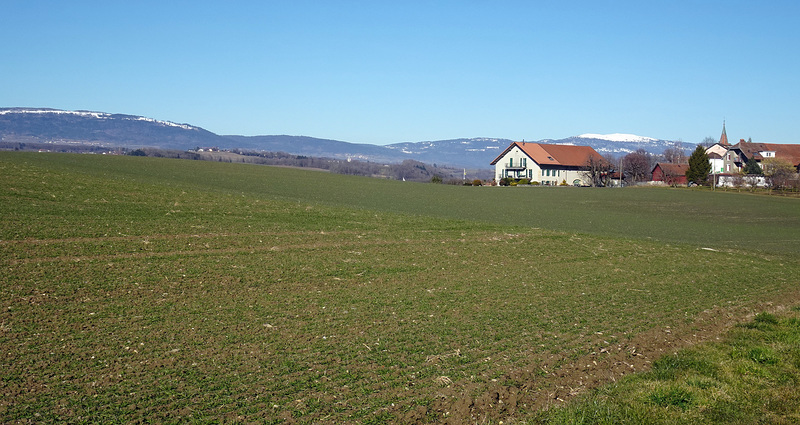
[789, 153]
[671, 168]
[665, 171]
[564, 155]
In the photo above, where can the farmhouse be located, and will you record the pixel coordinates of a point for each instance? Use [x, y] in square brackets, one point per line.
[671, 174]
[547, 164]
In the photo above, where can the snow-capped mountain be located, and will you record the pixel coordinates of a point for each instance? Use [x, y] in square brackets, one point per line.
[43, 125]
[97, 115]
[617, 137]
[619, 144]
[102, 128]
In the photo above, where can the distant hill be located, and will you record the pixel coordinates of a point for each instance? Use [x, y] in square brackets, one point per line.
[310, 146]
[622, 144]
[24, 125]
[53, 125]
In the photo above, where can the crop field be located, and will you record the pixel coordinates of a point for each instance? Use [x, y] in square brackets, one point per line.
[150, 290]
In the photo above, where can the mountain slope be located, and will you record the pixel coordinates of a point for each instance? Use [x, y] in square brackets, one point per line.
[621, 144]
[20, 125]
[311, 146]
[53, 125]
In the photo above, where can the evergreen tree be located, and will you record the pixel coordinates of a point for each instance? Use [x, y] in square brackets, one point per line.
[699, 166]
[752, 167]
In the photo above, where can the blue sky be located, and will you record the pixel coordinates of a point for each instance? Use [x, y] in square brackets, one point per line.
[387, 71]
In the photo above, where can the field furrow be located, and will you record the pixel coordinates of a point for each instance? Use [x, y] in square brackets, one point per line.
[255, 307]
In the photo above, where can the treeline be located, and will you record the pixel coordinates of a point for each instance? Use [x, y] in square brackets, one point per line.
[64, 147]
[409, 170]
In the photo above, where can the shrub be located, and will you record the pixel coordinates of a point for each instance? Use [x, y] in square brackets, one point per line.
[535, 183]
[138, 152]
[523, 181]
[477, 182]
[563, 183]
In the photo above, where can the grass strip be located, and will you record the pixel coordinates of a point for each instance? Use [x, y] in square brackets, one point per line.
[750, 376]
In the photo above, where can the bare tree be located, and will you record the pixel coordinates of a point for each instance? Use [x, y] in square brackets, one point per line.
[675, 154]
[778, 173]
[598, 171]
[708, 142]
[738, 181]
[638, 165]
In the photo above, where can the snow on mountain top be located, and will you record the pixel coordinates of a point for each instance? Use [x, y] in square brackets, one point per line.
[53, 111]
[167, 123]
[617, 137]
[100, 115]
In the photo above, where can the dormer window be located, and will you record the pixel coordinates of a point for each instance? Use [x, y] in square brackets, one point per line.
[768, 154]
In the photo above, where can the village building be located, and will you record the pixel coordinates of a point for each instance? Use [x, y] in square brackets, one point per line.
[549, 165]
[669, 173]
[716, 152]
[728, 162]
[738, 155]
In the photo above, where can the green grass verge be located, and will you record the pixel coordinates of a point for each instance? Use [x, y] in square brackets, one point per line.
[751, 376]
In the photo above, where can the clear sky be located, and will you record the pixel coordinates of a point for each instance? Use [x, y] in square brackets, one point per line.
[392, 71]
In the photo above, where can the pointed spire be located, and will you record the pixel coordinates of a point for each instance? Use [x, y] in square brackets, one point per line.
[723, 140]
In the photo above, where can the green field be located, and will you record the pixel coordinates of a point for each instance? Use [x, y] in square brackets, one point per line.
[153, 290]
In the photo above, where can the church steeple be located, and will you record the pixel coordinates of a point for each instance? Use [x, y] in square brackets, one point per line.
[723, 140]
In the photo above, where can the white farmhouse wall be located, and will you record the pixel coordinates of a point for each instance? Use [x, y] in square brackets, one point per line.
[516, 157]
[548, 175]
[717, 165]
[516, 164]
[554, 176]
